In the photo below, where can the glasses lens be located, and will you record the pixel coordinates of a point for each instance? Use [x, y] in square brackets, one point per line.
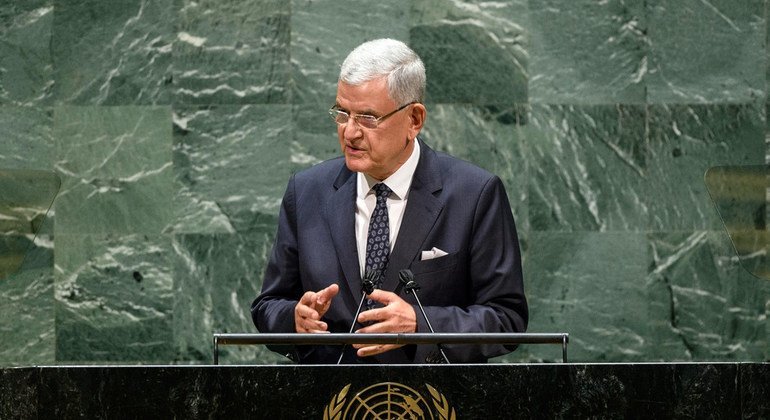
[338, 116]
[367, 121]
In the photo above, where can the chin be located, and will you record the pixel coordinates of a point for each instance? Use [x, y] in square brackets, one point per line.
[356, 165]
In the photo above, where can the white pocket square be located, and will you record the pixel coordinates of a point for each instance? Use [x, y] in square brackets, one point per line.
[433, 253]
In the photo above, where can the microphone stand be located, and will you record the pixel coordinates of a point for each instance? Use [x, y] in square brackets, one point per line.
[406, 277]
[367, 287]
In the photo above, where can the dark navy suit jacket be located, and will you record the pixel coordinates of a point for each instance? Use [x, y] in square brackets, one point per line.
[452, 205]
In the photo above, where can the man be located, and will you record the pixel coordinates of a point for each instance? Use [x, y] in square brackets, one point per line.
[391, 203]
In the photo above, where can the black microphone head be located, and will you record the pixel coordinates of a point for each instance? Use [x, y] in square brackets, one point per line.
[370, 280]
[367, 286]
[406, 277]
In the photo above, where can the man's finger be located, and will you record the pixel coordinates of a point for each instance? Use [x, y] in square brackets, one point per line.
[371, 350]
[323, 299]
[328, 293]
[311, 307]
[307, 298]
[306, 312]
[377, 328]
[376, 314]
[382, 296]
[314, 326]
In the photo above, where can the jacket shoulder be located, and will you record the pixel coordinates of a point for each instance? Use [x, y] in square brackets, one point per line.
[324, 172]
[454, 169]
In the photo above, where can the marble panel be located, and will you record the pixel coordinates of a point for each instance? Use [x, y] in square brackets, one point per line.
[324, 32]
[232, 52]
[705, 390]
[26, 66]
[315, 136]
[684, 141]
[592, 286]
[739, 194]
[588, 168]
[13, 251]
[716, 309]
[114, 298]
[231, 166]
[112, 53]
[26, 197]
[492, 137]
[474, 52]
[216, 279]
[588, 52]
[27, 295]
[115, 164]
[461, 391]
[755, 388]
[706, 51]
[19, 393]
[628, 254]
[27, 138]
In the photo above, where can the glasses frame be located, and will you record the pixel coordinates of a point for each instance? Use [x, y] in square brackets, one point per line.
[335, 112]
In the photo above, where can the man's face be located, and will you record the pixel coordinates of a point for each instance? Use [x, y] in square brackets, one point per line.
[377, 152]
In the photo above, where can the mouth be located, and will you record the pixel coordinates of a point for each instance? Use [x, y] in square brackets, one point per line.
[349, 148]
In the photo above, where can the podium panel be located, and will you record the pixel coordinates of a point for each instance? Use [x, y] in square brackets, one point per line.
[664, 390]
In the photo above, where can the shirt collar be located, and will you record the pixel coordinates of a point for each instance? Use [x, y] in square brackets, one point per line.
[398, 182]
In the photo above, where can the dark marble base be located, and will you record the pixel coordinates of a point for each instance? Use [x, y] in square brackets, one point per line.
[670, 390]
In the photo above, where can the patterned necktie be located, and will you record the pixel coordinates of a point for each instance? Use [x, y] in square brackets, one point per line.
[378, 241]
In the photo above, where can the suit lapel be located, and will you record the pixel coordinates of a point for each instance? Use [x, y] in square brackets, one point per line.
[340, 216]
[422, 210]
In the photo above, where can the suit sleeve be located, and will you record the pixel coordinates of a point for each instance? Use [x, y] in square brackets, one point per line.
[273, 310]
[494, 282]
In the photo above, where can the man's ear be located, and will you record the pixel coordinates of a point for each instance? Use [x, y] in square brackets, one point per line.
[417, 116]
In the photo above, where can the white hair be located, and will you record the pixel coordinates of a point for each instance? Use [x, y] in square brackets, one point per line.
[387, 57]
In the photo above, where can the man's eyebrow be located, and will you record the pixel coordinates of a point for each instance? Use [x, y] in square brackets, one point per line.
[367, 111]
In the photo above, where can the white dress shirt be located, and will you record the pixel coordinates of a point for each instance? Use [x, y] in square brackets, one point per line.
[399, 182]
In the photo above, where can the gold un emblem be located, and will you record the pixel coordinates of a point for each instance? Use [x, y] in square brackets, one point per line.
[388, 400]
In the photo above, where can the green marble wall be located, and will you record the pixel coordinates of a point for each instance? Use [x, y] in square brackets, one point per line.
[175, 124]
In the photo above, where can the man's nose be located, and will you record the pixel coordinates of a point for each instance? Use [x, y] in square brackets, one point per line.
[351, 129]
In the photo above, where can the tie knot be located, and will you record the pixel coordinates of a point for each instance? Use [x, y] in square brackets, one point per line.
[381, 190]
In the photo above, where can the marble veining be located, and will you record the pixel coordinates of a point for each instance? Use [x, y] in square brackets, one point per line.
[232, 164]
[114, 298]
[231, 53]
[175, 124]
[26, 68]
[128, 47]
[115, 163]
[727, 390]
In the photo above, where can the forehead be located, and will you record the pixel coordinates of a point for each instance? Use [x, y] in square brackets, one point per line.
[371, 96]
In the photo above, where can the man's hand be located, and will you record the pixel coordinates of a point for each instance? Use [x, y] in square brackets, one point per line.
[311, 307]
[397, 316]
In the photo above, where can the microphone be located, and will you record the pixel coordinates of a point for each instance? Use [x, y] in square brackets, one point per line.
[406, 277]
[367, 287]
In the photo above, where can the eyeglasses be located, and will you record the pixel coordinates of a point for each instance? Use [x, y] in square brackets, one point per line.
[364, 120]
